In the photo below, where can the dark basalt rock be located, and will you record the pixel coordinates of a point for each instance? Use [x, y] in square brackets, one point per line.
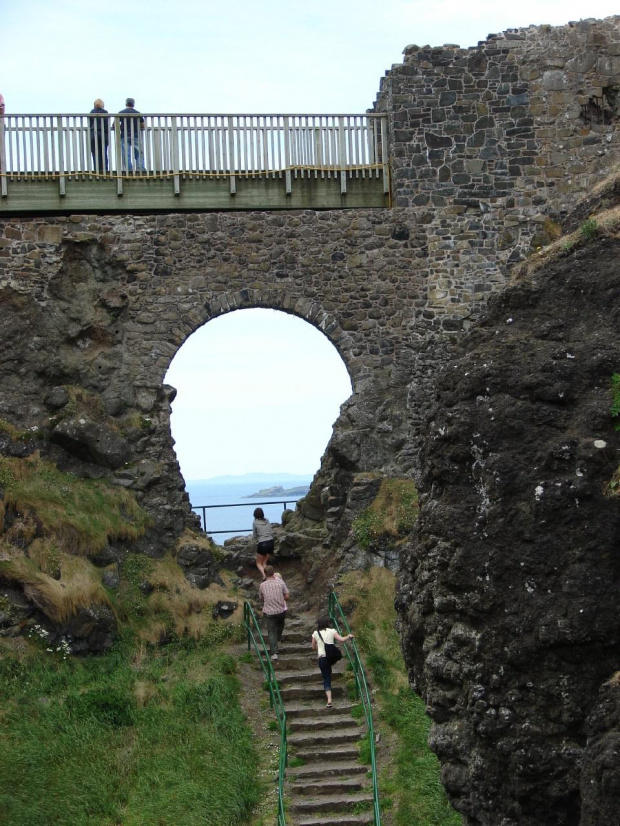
[508, 594]
[91, 630]
[199, 565]
[91, 441]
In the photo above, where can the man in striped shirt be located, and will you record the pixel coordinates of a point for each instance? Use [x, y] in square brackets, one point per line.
[274, 594]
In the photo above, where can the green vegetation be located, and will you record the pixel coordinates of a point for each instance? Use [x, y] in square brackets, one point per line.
[392, 513]
[138, 735]
[589, 229]
[410, 784]
[82, 514]
[614, 483]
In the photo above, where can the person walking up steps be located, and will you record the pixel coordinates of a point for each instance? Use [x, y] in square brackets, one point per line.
[274, 594]
[326, 634]
[263, 534]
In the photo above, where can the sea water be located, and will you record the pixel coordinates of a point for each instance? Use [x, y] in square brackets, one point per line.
[237, 521]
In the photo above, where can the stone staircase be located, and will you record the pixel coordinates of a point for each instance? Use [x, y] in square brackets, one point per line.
[331, 787]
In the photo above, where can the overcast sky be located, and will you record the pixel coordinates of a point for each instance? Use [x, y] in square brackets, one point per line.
[247, 398]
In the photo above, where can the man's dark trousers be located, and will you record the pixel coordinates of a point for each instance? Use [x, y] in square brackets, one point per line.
[275, 628]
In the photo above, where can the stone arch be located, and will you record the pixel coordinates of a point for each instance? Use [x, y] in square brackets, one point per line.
[303, 307]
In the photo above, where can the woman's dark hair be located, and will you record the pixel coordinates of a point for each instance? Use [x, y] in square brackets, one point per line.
[323, 622]
[259, 513]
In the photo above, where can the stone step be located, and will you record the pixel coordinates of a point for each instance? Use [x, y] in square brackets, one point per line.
[309, 692]
[301, 676]
[341, 768]
[340, 819]
[325, 738]
[346, 754]
[330, 802]
[296, 662]
[296, 649]
[328, 785]
[327, 768]
[325, 719]
[294, 710]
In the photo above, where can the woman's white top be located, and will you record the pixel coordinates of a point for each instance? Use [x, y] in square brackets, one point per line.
[328, 634]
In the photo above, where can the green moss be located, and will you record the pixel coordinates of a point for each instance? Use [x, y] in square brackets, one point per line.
[392, 513]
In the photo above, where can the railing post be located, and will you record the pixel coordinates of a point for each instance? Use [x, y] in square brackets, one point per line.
[287, 157]
[3, 170]
[119, 157]
[61, 157]
[175, 157]
[342, 151]
[231, 156]
[384, 156]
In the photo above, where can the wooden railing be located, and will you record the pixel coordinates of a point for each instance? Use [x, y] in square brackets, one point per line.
[177, 146]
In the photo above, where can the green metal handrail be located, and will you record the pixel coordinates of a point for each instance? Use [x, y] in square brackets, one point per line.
[257, 641]
[342, 626]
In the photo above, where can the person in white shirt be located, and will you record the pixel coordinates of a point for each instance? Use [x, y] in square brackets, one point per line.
[326, 634]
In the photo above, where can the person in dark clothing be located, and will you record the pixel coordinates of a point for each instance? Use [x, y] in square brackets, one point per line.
[131, 136]
[99, 137]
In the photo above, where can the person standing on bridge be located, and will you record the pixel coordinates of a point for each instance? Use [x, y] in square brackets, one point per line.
[274, 594]
[265, 543]
[131, 129]
[99, 136]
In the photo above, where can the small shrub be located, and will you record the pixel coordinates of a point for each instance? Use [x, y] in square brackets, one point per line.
[589, 229]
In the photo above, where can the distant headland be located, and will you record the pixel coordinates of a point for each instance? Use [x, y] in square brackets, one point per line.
[278, 490]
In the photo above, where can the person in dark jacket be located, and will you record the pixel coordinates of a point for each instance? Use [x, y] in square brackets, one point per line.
[131, 129]
[99, 136]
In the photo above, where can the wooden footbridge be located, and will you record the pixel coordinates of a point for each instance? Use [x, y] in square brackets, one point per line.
[173, 162]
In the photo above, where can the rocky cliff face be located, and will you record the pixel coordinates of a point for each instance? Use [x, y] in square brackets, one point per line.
[509, 590]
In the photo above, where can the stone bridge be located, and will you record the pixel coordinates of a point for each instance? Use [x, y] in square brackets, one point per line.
[490, 147]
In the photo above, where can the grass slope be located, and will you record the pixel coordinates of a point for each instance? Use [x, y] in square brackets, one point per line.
[140, 735]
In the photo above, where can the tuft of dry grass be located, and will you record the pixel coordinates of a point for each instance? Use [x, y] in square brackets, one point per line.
[176, 604]
[607, 226]
[189, 537]
[614, 679]
[79, 585]
[83, 515]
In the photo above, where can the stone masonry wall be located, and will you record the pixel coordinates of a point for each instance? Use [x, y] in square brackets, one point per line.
[497, 142]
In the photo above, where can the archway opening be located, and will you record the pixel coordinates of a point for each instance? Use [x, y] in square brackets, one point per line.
[258, 392]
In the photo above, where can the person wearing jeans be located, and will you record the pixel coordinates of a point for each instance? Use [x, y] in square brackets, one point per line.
[274, 593]
[326, 633]
[131, 136]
